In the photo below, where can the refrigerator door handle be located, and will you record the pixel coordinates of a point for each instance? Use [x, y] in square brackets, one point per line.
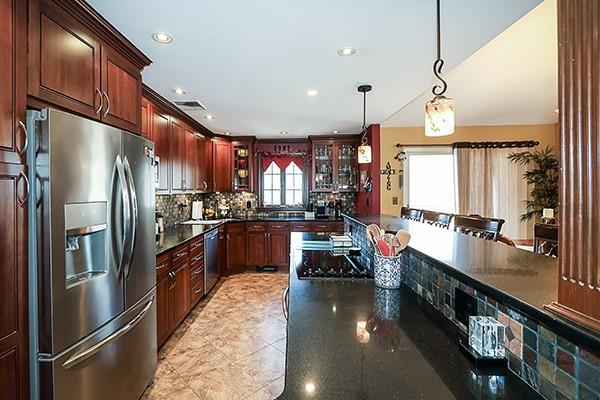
[126, 212]
[134, 213]
[84, 355]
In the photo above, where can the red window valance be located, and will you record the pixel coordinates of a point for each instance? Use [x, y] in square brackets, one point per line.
[281, 162]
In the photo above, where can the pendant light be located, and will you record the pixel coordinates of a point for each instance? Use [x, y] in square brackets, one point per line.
[364, 150]
[439, 111]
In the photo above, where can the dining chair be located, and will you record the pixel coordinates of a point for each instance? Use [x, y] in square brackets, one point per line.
[478, 226]
[413, 214]
[545, 239]
[439, 219]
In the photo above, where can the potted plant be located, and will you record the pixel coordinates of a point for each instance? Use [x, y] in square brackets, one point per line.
[542, 175]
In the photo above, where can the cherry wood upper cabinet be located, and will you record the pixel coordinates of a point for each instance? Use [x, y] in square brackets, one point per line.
[80, 63]
[208, 154]
[145, 122]
[201, 180]
[189, 175]
[64, 61]
[160, 135]
[222, 165]
[13, 283]
[121, 91]
[177, 139]
[13, 80]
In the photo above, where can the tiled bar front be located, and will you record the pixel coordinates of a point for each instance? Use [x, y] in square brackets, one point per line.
[552, 365]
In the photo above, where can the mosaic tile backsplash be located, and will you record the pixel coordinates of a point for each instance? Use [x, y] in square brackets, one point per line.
[552, 365]
[178, 207]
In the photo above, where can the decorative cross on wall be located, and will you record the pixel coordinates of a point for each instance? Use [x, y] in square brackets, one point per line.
[388, 171]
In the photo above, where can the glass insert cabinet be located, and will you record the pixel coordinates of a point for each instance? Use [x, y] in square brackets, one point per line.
[242, 166]
[335, 165]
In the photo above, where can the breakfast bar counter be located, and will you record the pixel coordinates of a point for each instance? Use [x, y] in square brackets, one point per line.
[348, 339]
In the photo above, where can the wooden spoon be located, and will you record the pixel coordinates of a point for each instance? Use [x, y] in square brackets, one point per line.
[403, 238]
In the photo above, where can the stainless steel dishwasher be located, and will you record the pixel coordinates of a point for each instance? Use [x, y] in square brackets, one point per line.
[211, 248]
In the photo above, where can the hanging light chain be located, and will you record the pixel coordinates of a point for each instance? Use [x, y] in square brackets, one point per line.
[439, 90]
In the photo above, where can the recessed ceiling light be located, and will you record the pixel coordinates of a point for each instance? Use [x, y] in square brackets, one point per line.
[209, 116]
[312, 92]
[347, 51]
[283, 132]
[335, 131]
[162, 37]
[556, 110]
[179, 91]
[227, 133]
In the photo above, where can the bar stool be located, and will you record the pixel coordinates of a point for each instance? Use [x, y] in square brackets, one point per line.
[545, 239]
[439, 219]
[413, 214]
[481, 227]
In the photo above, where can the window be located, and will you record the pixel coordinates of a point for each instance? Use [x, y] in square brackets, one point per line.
[429, 176]
[293, 185]
[272, 185]
[283, 184]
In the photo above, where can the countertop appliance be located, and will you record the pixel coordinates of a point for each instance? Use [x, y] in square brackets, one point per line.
[329, 264]
[92, 260]
[211, 249]
[197, 209]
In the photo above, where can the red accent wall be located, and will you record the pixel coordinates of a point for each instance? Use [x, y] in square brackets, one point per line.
[370, 203]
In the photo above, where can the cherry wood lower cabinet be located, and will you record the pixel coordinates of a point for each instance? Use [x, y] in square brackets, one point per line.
[172, 291]
[267, 243]
[236, 247]
[13, 283]
[256, 243]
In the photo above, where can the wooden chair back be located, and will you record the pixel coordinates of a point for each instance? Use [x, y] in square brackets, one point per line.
[411, 213]
[475, 225]
[545, 239]
[439, 219]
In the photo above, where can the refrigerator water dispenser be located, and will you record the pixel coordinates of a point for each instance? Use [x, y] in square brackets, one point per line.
[85, 242]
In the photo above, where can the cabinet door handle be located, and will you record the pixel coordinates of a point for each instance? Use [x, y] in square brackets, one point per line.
[107, 104]
[198, 290]
[197, 272]
[205, 185]
[22, 200]
[161, 266]
[181, 254]
[228, 237]
[22, 127]
[101, 100]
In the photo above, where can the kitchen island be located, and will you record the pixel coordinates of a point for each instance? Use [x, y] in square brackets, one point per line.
[348, 339]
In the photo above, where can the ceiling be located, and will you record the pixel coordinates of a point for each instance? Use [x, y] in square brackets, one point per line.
[512, 80]
[251, 62]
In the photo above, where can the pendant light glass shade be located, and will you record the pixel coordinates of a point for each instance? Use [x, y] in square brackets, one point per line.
[364, 154]
[439, 116]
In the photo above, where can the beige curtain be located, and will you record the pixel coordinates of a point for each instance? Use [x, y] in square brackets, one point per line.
[490, 185]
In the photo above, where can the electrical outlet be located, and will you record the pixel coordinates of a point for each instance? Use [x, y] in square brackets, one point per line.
[395, 200]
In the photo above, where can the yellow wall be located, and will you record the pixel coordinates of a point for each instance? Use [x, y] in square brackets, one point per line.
[545, 134]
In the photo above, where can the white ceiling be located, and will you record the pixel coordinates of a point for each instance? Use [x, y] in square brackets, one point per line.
[251, 62]
[512, 80]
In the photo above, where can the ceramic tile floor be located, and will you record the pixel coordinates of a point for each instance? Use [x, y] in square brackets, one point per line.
[231, 346]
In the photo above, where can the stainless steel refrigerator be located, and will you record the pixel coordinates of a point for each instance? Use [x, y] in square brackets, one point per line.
[92, 260]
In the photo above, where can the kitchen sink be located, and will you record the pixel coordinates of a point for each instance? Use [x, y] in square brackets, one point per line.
[203, 221]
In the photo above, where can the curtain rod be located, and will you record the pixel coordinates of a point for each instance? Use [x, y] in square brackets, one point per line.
[495, 145]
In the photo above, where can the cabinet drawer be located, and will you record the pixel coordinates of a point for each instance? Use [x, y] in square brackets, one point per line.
[197, 260]
[256, 227]
[196, 275]
[197, 292]
[197, 246]
[179, 254]
[279, 226]
[162, 264]
[300, 227]
[322, 227]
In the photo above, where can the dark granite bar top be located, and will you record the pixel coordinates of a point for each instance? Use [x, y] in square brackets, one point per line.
[350, 340]
[179, 234]
[518, 277]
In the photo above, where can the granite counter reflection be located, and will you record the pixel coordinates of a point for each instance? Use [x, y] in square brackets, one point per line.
[350, 339]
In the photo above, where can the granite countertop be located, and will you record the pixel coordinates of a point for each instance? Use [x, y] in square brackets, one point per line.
[175, 235]
[520, 278]
[350, 340]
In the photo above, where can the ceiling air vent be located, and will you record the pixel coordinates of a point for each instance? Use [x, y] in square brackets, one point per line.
[190, 105]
